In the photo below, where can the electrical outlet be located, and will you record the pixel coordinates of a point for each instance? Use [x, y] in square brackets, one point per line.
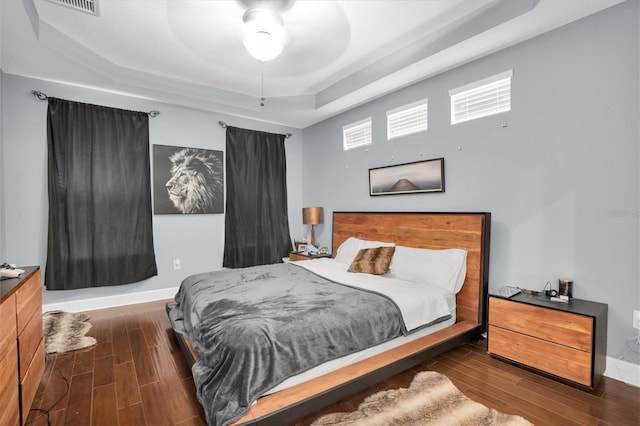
[176, 263]
[636, 319]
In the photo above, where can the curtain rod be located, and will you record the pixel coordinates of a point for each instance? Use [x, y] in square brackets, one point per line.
[43, 97]
[224, 126]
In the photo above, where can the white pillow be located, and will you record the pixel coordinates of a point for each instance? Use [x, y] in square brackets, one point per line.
[446, 268]
[348, 250]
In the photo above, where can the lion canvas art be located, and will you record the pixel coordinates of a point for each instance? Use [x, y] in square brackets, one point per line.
[187, 180]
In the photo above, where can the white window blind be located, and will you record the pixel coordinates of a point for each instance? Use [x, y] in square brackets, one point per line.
[491, 95]
[357, 134]
[407, 119]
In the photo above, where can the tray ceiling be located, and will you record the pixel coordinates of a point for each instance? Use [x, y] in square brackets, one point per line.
[337, 54]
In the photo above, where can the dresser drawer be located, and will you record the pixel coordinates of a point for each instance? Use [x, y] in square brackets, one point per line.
[9, 411]
[10, 414]
[573, 330]
[29, 341]
[559, 360]
[7, 326]
[29, 299]
[31, 380]
[22, 358]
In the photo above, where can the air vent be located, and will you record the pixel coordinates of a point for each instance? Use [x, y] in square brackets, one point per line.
[86, 6]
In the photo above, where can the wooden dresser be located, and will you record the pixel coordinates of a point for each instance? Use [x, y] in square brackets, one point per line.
[566, 341]
[22, 357]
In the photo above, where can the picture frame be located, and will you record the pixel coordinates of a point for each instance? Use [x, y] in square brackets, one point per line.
[187, 180]
[408, 178]
[301, 247]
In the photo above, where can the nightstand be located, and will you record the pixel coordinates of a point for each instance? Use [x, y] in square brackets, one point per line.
[294, 256]
[565, 341]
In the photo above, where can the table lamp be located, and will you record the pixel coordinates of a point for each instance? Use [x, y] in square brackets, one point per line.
[312, 216]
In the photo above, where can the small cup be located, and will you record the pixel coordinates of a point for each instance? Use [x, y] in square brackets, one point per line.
[565, 287]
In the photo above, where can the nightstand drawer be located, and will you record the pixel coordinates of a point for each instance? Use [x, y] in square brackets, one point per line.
[559, 360]
[296, 257]
[573, 330]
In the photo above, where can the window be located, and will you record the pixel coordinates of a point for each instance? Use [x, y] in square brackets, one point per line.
[407, 119]
[357, 134]
[482, 98]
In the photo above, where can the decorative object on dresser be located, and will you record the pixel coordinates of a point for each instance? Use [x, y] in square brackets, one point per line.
[9, 271]
[565, 341]
[22, 359]
[312, 216]
[65, 331]
[430, 399]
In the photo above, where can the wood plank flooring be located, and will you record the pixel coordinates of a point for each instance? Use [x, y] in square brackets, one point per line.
[136, 375]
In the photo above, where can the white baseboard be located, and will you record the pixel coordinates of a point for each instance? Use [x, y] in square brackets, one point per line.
[111, 301]
[616, 369]
[623, 370]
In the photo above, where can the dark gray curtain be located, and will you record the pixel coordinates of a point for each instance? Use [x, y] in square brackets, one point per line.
[100, 219]
[256, 221]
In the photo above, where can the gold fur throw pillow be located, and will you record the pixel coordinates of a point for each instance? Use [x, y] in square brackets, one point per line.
[373, 260]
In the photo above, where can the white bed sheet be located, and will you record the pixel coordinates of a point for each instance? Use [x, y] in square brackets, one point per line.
[327, 367]
[419, 303]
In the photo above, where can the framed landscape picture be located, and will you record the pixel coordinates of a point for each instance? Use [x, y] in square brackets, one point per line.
[407, 178]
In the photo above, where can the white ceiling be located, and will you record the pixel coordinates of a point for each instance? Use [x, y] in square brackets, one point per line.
[337, 54]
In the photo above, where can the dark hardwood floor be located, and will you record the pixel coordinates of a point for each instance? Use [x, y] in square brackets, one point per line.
[136, 375]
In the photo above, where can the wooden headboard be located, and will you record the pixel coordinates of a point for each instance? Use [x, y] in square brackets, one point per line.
[468, 231]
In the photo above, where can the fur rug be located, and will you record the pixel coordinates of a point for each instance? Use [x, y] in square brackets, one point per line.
[431, 399]
[65, 331]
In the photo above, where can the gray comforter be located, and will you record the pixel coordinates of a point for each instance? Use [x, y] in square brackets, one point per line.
[253, 328]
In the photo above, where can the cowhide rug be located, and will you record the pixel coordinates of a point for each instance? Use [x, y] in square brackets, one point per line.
[65, 331]
[431, 399]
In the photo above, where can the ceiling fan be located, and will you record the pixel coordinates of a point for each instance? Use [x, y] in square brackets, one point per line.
[264, 27]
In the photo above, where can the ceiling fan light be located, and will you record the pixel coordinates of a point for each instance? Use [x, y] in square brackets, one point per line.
[262, 45]
[263, 36]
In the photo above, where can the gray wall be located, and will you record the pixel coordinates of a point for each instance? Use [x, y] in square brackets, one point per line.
[2, 160]
[198, 240]
[561, 179]
[2, 176]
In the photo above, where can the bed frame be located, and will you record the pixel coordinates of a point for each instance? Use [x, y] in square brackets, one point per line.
[469, 231]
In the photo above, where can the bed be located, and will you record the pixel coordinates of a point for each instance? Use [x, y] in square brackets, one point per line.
[391, 349]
